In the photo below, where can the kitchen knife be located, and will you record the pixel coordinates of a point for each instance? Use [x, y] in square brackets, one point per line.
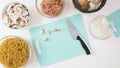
[76, 36]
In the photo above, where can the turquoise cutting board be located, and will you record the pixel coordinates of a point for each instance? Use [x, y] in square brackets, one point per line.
[115, 18]
[60, 45]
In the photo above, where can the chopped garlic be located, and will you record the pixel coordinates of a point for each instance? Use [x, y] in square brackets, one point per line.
[55, 29]
[41, 31]
[47, 31]
[44, 39]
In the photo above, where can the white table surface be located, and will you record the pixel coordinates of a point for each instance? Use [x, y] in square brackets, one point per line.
[105, 53]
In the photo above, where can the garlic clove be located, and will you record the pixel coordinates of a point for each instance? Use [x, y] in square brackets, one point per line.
[44, 39]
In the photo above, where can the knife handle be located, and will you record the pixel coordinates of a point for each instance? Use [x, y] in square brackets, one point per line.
[84, 45]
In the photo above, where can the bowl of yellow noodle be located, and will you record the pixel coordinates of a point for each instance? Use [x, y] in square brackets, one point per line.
[14, 52]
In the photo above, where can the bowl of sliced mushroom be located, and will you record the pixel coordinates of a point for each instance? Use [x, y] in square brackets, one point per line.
[15, 15]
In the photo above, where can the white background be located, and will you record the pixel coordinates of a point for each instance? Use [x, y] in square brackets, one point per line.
[105, 53]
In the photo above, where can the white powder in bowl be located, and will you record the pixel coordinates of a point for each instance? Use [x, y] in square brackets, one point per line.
[100, 27]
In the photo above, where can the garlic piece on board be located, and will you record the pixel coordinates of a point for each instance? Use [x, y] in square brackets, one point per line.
[44, 39]
[41, 31]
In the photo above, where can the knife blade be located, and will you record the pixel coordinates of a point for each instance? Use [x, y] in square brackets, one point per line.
[76, 36]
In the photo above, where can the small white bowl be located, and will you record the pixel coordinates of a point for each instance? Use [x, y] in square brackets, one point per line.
[38, 7]
[96, 27]
[5, 9]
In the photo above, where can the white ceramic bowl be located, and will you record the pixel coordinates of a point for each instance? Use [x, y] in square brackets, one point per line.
[5, 9]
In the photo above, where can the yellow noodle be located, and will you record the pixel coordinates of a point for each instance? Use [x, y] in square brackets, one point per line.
[14, 52]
